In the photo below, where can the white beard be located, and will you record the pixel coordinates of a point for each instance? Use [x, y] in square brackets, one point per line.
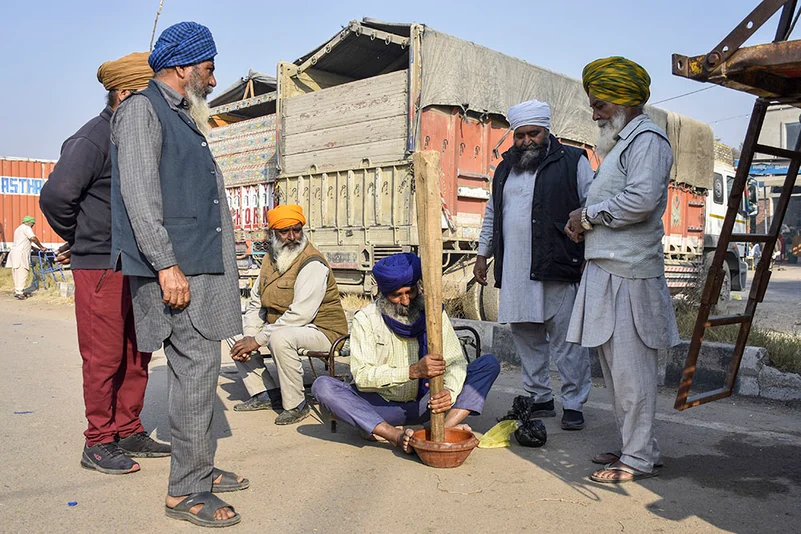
[284, 256]
[607, 136]
[199, 111]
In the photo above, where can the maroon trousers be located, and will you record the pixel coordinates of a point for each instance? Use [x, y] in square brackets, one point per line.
[114, 371]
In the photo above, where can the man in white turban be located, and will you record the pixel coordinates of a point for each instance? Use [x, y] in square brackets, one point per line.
[536, 186]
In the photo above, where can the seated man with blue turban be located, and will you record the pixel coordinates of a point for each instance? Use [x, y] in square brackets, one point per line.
[391, 368]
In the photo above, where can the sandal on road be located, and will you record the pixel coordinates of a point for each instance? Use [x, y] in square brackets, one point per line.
[228, 482]
[618, 468]
[606, 458]
[205, 516]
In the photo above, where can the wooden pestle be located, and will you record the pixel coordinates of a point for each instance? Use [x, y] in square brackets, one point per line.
[429, 213]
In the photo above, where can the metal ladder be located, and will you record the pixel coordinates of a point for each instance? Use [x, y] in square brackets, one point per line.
[770, 72]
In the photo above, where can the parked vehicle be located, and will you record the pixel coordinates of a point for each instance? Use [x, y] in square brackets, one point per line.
[21, 181]
[335, 131]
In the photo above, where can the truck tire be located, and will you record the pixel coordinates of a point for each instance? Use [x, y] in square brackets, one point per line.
[471, 305]
[725, 287]
[490, 298]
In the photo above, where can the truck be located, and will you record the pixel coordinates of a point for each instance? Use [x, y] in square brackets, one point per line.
[335, 130]
[21, 180]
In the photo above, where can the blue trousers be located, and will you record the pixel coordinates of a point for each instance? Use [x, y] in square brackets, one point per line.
[367, 410]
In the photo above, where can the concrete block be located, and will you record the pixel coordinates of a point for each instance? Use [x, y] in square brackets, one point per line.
[67, 289]
[503, 346]
[753, 361]
[747, 385]
[773, 384]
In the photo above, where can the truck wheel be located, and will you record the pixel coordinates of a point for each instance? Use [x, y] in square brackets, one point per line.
[725, 287]
[490, 297]
[481, 302]
[471, 305]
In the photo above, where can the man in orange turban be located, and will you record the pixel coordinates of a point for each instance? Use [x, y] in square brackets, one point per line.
[284, 216]
[76, 200]
[294, 305]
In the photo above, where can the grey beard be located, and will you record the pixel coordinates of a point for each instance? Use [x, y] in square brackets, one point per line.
[608, 131]
[527, 159]
[199, 109]
[283, 254]
[403, 314]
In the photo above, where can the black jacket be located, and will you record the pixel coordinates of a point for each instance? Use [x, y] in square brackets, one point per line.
[554, 257]
[76, 199]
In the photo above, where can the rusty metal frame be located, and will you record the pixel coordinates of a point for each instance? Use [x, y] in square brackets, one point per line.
[756, 70]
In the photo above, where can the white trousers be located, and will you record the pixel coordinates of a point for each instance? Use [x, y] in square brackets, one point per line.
[20, 277]
[630, 373]
[284, 345]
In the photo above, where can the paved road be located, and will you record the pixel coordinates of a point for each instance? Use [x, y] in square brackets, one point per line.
[781, 309]
[733, 465]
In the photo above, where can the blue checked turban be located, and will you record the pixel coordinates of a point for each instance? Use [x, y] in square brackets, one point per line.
[397, 271]
[185, 43]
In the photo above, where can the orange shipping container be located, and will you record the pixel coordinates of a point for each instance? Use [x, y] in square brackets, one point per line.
[21, 181]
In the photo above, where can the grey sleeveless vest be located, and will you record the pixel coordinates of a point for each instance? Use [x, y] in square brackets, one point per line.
[633, 251]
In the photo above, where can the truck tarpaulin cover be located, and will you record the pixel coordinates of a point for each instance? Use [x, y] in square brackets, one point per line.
[460, 73]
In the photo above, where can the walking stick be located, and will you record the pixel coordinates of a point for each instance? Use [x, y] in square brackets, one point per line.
[429, 229]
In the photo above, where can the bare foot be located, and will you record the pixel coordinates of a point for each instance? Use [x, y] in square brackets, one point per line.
[619, 472]
[221, 514]
[463, 426]
[403, 438]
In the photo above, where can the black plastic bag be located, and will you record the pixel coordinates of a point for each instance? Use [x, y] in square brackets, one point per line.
[531, 433]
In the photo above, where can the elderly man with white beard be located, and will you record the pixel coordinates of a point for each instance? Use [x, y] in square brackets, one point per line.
[536, 186]
[294, 305]
[623, 305]
[173, 237]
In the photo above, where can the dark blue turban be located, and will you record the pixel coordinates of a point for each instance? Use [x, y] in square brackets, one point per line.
[397, 271]
[185, 43]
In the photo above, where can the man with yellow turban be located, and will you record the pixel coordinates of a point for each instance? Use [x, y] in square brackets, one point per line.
[623, 306]
[294, 305]
[76, 200]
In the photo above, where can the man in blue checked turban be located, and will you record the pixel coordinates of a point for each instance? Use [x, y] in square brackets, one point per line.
[173, 238]
[391, 366]
[185, 43]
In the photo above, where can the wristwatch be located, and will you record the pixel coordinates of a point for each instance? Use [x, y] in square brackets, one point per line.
[585, 222]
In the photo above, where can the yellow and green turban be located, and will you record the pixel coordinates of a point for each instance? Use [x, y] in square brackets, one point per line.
[617, 80]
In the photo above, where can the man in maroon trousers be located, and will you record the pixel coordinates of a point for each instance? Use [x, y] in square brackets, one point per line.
[76, 201]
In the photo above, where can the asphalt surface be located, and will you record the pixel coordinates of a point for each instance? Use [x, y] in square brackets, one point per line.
[733, 465]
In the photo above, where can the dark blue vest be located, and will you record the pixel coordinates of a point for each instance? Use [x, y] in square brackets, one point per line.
[554, 257]
[189, 195]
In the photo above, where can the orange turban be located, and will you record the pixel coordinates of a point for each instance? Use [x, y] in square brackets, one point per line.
[126, 73]
[285, 216]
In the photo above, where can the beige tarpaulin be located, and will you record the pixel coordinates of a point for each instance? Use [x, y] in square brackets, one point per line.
[464, 74]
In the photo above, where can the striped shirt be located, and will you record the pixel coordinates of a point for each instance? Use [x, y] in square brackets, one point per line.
[380, 359]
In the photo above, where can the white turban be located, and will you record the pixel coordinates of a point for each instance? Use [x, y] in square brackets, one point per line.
[531, 113]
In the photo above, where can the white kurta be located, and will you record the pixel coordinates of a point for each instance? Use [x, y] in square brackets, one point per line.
[20, 255]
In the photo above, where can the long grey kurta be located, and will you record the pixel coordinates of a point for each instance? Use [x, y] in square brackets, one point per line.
[629, 318]
[191, 336]
[539, 312]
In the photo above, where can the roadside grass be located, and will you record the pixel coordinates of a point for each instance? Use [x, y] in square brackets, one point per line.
[784, 348]
[49, 295]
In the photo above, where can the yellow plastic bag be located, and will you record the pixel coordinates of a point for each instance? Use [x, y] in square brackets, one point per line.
[500, 435]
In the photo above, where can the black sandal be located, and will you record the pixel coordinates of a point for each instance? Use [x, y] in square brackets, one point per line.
[228, 482]
[205, 517]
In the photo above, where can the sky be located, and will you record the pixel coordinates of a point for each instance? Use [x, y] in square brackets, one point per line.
[52, 48]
